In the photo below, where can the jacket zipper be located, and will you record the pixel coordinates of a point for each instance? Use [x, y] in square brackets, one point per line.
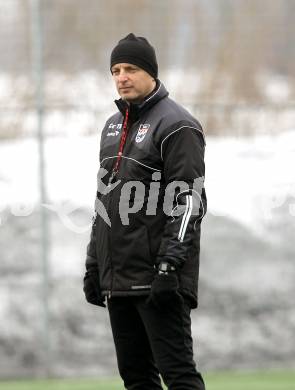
[110, 249]
[112, 177]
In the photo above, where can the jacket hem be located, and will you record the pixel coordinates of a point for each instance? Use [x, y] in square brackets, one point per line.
[126, 293]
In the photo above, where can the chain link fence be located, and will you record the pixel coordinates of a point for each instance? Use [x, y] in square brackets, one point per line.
[232, 64]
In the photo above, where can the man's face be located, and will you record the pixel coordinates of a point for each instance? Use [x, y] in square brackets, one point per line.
[132, 82]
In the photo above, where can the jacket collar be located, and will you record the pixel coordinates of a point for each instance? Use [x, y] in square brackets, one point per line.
[136, 110]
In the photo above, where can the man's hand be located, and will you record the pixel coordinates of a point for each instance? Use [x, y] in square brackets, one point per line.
[164, 291]
[92, 289]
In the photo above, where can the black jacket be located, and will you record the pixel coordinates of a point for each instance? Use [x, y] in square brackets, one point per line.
[164, 147]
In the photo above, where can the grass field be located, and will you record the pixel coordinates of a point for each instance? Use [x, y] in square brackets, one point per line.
[214, 381]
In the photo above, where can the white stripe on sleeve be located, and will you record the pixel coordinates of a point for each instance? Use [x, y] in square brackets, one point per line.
[186, 217]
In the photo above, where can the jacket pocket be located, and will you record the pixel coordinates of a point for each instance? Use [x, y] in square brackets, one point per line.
[132, 260]
[103, 255]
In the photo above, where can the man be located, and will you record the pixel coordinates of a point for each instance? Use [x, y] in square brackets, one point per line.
[143, 253]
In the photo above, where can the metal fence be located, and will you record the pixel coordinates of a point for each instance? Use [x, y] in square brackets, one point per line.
[54, 82]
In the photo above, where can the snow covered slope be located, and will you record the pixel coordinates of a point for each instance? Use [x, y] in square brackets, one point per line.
[246, 178]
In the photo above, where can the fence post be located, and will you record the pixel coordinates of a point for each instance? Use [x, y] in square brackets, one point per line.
[38, 77]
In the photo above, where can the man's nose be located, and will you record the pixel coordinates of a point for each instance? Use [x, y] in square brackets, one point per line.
[122, 76]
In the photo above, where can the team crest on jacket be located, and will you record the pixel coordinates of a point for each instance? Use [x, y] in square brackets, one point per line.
[143, 129]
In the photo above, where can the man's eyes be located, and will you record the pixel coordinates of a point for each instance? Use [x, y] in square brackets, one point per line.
[116, 72]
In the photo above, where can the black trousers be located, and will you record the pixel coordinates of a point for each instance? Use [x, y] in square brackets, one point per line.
[150, 342]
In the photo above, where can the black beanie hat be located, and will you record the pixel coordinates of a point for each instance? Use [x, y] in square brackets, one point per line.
[137, 51]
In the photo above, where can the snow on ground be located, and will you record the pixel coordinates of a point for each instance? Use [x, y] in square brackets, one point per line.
[71, 165]
[246, 178]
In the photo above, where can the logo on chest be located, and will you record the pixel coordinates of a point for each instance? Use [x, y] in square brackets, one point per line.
[115, 132]
[143, 129]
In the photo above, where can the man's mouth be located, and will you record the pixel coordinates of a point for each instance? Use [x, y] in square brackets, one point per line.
[125, 88]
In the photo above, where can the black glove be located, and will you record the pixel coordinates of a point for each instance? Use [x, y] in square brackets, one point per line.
[164, 290]
[91, 288]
